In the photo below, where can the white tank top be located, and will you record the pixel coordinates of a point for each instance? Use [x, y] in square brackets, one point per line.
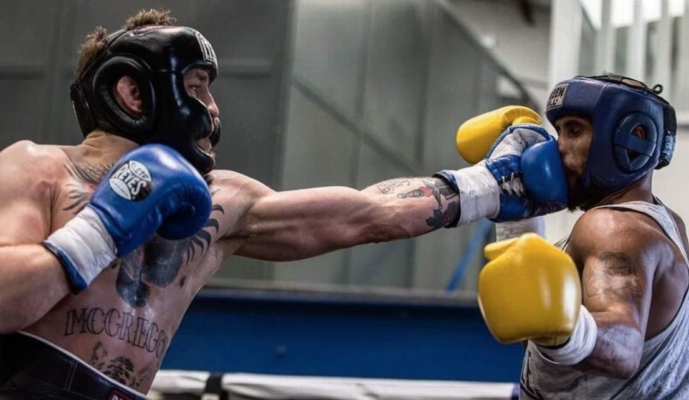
[664, 369]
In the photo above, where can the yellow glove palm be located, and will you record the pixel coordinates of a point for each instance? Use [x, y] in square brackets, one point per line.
[530, 290]
[476, 136]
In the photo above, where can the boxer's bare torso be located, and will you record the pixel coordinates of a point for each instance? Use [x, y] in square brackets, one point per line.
[122, 324]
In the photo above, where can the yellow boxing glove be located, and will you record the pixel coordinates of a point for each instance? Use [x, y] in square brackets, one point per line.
[476, 136]
[530, 290]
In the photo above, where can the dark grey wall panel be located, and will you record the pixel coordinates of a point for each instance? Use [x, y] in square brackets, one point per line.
[26, 62]
[111, 15]
[326, 269]
[27, 33]
[330, 52]
[240, 268]
[20, 117]
[251, 40]
[396, 74]
[452, 92]
[319, 150]
[488, 98]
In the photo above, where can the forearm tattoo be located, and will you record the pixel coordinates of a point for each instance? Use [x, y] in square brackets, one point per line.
[390, 186]
[614, 277]
[438, 189]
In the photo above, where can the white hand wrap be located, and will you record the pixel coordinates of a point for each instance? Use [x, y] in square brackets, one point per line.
[479, 193]
[580, 344]
[84, 247]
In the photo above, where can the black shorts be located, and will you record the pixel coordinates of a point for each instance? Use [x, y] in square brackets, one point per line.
[31, 369]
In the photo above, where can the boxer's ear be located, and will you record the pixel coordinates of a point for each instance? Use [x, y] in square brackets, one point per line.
[127, 95]
[639, 131]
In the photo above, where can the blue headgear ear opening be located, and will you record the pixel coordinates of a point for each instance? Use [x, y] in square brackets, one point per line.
[625, 141]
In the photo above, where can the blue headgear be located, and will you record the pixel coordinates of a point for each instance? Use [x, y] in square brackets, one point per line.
[616, 105]
[156, 58]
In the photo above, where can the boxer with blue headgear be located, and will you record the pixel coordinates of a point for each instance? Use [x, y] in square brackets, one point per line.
[604, 311]
[633, 131]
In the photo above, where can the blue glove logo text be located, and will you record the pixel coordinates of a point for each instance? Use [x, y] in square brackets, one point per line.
[131, 181]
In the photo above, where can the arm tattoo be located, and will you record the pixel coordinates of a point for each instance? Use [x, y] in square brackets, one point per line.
[438, 189]
[432, 187]
[388, 187]
[441, 219]
[616, 277]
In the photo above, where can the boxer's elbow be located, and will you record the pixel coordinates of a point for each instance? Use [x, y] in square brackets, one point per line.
[613, 361]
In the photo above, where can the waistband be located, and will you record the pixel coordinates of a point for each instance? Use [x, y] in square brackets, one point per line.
[30, 365]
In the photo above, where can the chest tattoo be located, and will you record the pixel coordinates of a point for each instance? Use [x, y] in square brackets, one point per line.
[159, 262]
[155, 264]
[86, 178]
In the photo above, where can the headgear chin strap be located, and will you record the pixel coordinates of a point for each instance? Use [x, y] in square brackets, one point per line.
[156, 58]
[616, 106]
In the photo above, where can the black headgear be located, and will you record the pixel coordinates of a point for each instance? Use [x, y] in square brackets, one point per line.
[156, 58]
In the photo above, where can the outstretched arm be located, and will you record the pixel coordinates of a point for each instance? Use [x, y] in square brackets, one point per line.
[298, 224]
[304, 223]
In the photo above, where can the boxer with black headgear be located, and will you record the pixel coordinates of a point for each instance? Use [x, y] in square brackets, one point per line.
[613, 319]
[120, 232]
[169, 115]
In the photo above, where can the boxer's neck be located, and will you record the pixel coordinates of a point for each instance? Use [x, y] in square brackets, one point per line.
[105, 148]
[640, 190]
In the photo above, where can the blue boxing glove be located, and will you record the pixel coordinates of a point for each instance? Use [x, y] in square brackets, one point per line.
[151, 189]
[521, 177]
[525, 161]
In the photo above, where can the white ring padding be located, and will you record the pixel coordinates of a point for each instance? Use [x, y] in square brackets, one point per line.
[272, 387]
[580, 344]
